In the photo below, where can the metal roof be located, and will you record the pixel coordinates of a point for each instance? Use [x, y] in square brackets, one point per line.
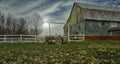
[97, 7]
[99, 12]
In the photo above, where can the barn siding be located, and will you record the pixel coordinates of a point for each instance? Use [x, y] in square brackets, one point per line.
[79, 28]
[116, 33]
[75, 18]
[76, 15]
[96, 28]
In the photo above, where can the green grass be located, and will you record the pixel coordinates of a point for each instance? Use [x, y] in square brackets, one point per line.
[91, 51]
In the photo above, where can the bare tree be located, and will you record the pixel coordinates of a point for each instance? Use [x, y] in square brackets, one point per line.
[12, 25]
[8, 23]
[36, 24]
[2, 22]
[21, 26]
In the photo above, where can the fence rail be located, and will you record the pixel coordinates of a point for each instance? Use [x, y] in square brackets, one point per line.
[18, 38]
[76, 37]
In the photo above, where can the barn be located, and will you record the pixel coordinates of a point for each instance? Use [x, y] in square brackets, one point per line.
[92, 22]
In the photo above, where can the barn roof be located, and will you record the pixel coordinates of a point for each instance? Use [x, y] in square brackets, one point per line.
[96, 12]
[99, 12]
[97, 7]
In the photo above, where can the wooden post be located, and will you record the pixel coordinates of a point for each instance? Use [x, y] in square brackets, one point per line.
[5, 39]
[68, 33]
[49, 30]
[111, 33]
[21, 38]
[35, 38]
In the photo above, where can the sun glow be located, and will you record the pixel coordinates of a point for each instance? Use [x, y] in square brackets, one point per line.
[45, 25]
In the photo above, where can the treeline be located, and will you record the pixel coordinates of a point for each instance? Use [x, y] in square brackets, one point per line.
[11, 25]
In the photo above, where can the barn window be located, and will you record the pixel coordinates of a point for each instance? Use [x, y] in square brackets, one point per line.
[79, 27]
[103, 23]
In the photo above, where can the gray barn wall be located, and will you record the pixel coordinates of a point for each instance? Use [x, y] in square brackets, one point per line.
[116, 33]
[79, 28]
[96, 28]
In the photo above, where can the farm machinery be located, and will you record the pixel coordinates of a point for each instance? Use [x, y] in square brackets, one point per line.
[53, 39]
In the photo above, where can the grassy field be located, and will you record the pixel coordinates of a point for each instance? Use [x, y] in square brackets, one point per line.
[85, 52]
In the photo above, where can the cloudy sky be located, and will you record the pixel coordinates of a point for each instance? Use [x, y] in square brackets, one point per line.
[50, 10]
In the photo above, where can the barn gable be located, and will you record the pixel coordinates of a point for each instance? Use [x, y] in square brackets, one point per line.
[75, 16]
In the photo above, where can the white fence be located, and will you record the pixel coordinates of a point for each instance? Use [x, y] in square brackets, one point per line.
[76, 37]
[18, 38]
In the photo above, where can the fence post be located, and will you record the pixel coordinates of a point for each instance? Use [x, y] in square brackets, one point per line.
[5, 39]
[83, 36]
[68, 33]
[35, 38]
[21, 38]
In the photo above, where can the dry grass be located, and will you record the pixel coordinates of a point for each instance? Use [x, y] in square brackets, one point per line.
[92, 51]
